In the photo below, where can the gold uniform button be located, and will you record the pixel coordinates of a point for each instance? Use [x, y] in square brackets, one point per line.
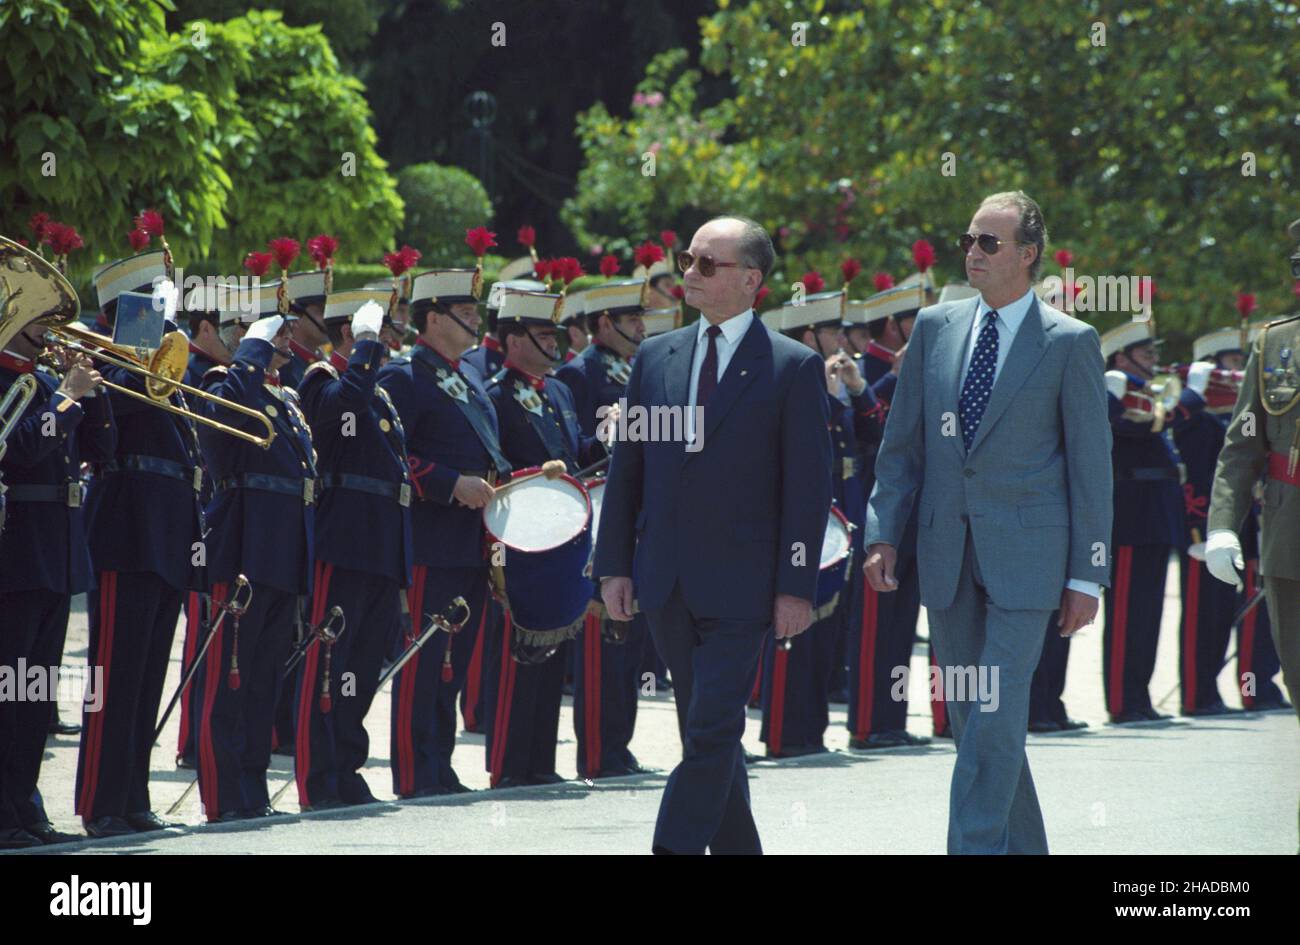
[271, 411]
[385, 425]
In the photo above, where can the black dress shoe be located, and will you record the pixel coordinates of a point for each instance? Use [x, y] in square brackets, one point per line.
[1271, 705]
[268, 811]
[109, 826]
[231, 816]
[328, 803]
[798, 751]
[751, 758]
[16, 838]
[548, 777]
[459, 788]
[146, 821]
[1043, 726]
[1154, 716]
[1213, 709]
[45, 832]
[838, 697]
[60, 727]
[894, 739]
[1127, 718]
[186, 762]
[510, 781]
[663, 684]
[356, 795]
[1071, 725]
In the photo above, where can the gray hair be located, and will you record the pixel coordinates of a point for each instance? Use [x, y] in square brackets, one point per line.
[755, 246]
[1030, 228]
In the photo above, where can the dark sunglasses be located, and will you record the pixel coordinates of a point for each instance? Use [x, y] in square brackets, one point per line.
[707, 264]
[989, 244]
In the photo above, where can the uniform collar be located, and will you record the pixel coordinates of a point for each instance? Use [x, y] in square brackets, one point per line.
[538, 383]
[569, 356]
[196, 350]
[340, 363]
[491, 343]
[271, 378]
[454, 365]
[16, 363]
[311, 357]
[879, 352]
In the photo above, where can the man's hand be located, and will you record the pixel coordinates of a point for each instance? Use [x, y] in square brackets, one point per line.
[80, 379]
[472, 491]
[608, 428]
[616, 592]
[791, 616]
[1077, 610]
[832, 367]
[879, 567]
[898, 361]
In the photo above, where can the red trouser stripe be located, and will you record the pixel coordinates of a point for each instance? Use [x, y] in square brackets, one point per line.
[757, 692]
[1246, 642]
[405, 759]
[867, 663]
[591, 692]
[302, 741]
[1191, 613]
[474, 676]
[777, 722]
[192, 633]
[208, 782]
[938, 705]
[94, 734]
[1123, 572]
[505, 697]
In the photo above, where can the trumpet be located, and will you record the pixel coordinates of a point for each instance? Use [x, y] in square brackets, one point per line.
[13, 406]
[1217, 376]
[34, 292]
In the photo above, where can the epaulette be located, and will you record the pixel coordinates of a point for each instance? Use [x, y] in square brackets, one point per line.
[398, 359]
[319, 366]
[214, 370]
[498, 377]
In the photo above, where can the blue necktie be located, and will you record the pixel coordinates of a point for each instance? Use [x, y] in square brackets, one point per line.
[978, 385]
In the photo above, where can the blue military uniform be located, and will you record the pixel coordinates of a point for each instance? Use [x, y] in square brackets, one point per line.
[487, 358]
[451, 430]
[363, 554]
[44, 560]
[261, 526]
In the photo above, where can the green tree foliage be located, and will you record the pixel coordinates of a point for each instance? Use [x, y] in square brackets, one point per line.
[1135, 148]
[349, 25]
[441, 204]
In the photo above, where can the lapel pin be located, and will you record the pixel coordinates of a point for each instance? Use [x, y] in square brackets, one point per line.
[743, 373]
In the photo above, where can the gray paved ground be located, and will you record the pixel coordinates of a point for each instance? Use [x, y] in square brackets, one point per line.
[1188, 786]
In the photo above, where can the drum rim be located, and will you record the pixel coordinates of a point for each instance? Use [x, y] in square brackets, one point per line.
[848, 548]
[537, 551]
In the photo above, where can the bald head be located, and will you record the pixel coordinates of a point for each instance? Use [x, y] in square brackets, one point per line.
[742, 254]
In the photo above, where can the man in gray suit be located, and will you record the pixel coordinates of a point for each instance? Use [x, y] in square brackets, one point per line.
[998, 429]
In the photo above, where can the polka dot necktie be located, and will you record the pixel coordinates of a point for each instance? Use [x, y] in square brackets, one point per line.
[978, 385]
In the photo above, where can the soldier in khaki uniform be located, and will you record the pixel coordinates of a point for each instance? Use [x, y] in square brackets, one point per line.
[1264, 439]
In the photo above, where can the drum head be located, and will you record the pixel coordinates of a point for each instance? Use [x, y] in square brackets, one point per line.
[539, 514]
[595, 492]
[836, 544]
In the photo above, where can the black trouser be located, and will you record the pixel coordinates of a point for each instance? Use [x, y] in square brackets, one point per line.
[521, 704]
[32, 627]
[1133, 604]
[132, 621]
[1208, 608]
[881, 635]
[606, 685]
[1045, 703]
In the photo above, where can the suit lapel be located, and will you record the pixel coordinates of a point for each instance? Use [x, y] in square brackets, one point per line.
[950, 355]
[754, 347]
[677, 369]
[1026, 351]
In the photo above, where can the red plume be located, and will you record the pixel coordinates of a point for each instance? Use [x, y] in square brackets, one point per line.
[668, 238]
[609, 265]
[322, 249]
[63, 238]
[647, 254]
[922, 255]
[813, 282]
[542, 269]
[1063, 258]
[39, 223]
[257, 263]
[139, 239]
[402, 260]
[151, 222]
[285, 249]
[758, 299]
[850, 269]
[480, 239]
[1144, 284]
[680, 293]
[883, 281]
[567, 268]
[527, 236]
[1246, 304]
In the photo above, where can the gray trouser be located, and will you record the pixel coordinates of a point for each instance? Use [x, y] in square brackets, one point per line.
[992, 807]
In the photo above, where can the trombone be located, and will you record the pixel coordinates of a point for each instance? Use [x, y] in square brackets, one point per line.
[28, 281]
[14, 406]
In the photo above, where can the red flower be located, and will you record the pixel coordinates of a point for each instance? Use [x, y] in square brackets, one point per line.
[1246, 304]
[322, 249]
[542, 269]
[668, 238]
[527, 236]
[758, 299]
[567, 268]
[285, 249]
[883, 281]
[258, 263]
[480, 240]
[63, 238]
[139, 239]
[609, 265]
[40, 224]
[850, 269]
[813, 282]
[647, 254]
[680, 293]
[151, 222]
[922, 255]
[1063, 258]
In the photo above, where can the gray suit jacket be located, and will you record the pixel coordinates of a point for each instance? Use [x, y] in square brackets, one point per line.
[1035, 487]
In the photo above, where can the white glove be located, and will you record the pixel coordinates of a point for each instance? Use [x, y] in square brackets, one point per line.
[1117, 384]
[1223, 556]
[165, 298]
[367, 320]
[1198, 376]
[265, 328]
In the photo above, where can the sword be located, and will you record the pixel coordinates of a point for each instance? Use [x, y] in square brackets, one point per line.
[234, 606]
[1237, 621]
[437, 622]
[325, 633]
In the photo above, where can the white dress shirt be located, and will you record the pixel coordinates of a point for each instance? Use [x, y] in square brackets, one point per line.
[1009, 319]
[733, 329]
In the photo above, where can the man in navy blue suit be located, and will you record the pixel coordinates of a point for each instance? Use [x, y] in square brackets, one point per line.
[723, 531]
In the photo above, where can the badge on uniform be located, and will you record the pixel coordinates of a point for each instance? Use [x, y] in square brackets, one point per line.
[453, 386]
[616, 369]
[527, 398]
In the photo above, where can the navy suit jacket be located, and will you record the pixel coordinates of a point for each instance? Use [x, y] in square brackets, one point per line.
[358, 530]
[743, 518]
[44, 543]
